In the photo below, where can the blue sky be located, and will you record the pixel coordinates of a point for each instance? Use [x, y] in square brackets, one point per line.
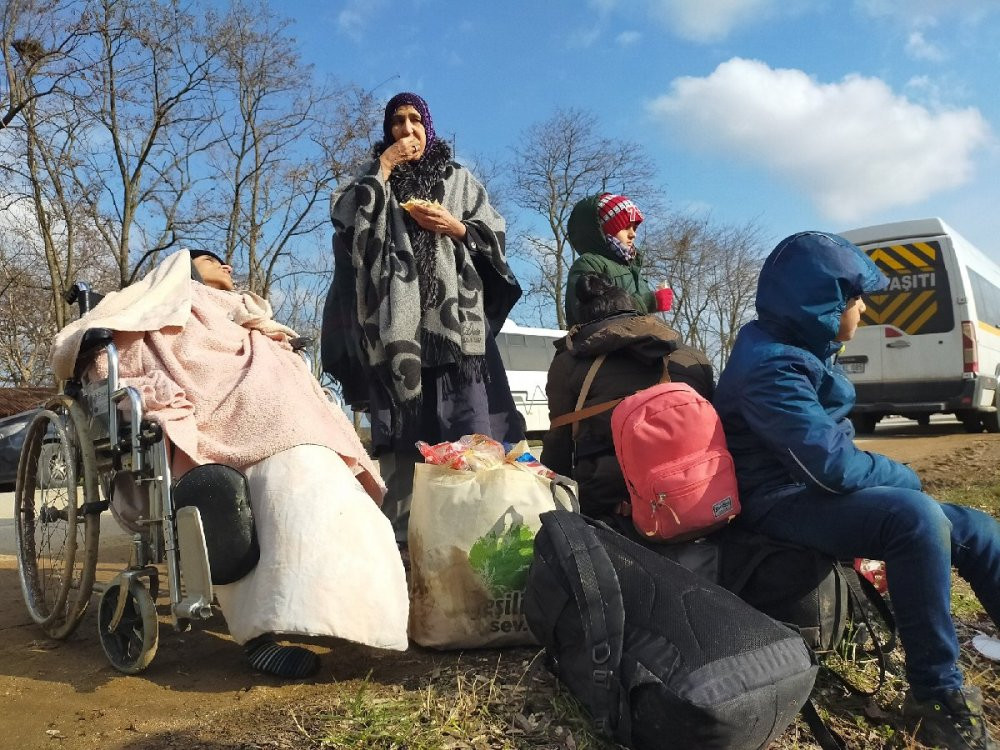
[798, 114]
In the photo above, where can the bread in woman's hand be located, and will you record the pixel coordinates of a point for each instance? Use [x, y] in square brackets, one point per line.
[408, 204]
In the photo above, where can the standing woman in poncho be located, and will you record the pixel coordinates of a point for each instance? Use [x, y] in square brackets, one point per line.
[418, 295]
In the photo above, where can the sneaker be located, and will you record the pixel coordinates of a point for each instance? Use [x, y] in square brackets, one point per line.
[953, 721]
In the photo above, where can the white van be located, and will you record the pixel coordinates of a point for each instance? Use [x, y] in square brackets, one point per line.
[931, 342]
[527, 354]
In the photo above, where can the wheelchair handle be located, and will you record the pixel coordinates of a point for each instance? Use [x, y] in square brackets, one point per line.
[71, 294]
[301, 342]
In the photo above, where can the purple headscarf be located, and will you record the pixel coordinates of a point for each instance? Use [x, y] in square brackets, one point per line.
[418, 104]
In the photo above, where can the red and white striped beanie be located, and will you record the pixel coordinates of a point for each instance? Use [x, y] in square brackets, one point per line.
[616, 212]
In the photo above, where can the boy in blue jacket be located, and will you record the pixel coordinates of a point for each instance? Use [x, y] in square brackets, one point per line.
[784, 405]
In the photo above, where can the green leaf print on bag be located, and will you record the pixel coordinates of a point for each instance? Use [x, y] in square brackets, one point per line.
[502, 560]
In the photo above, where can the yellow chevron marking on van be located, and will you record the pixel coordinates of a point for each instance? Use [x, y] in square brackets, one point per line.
[918, 323]
[904, 252]
[880, 254]
[912, 308]
[882, 316]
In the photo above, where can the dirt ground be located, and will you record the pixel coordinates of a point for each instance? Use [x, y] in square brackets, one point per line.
[199, 695]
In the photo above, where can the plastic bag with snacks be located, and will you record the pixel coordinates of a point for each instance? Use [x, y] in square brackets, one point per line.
[473, 520]
[469, 453]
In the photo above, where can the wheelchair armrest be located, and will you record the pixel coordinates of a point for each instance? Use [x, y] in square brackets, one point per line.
[94, 339]
[301, 342]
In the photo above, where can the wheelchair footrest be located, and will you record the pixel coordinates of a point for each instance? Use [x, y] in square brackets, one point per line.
[197, 601]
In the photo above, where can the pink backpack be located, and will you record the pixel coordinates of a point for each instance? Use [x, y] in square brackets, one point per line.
[673, 455]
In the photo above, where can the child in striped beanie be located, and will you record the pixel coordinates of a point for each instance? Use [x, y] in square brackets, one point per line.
[602, 232]
[620, 218]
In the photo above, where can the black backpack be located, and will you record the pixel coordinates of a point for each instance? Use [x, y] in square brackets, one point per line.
[659, 656]
[815, 594]
[794, 585]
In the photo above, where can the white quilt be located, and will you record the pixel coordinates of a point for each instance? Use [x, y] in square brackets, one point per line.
[329, 565]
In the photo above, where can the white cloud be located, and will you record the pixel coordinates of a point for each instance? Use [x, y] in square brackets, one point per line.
[919, 48]
[354, 18]
[628, 38]
[854, 146]
[711, 20]
[938, 92]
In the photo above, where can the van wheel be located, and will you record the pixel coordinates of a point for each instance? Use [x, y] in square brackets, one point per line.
[864, 424]
[923, 419]
[991, 421]
[972, 422]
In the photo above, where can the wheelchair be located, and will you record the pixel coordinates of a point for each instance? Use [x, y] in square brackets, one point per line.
[75, 449]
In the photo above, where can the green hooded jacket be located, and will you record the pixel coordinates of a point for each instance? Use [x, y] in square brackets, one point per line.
[594, 256]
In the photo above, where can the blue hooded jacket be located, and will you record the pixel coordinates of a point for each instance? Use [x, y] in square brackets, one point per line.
[784, 404]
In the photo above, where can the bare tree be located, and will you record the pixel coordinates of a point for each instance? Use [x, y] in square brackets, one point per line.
[147, 100]
[27, 313]
[23, 312]
[284, 142]
[136, 125]
[45, 54]
[299, 296]
[556, 163]
[713, 270]
[39, 41]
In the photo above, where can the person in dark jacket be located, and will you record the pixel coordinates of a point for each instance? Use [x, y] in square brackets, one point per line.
[635, 347]
[784, 404]
[420, 288]
[602, 229]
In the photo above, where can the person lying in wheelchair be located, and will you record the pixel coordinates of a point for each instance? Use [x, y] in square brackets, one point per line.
[222, 379]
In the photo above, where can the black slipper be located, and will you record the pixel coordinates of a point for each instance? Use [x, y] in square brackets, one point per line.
[290, 662]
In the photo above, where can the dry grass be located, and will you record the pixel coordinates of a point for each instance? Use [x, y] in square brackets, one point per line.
[507, 700]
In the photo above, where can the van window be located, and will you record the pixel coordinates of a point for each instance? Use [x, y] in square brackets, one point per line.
[986, 297]
[918, 299]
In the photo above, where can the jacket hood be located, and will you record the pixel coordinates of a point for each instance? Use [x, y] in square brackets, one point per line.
[805, 284]
[646, 337]
[584, 229]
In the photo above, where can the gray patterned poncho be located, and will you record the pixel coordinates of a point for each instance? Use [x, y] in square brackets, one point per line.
[415, 299]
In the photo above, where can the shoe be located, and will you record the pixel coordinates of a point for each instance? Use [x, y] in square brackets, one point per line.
[289, 662]
[953, 721]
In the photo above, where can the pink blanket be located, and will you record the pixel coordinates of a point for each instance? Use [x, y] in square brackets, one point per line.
[232, 394]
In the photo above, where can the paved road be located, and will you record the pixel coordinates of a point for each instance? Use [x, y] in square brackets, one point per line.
[111, 533]
[7, 546]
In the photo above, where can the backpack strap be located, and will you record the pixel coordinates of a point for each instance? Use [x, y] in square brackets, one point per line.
[854, 588]
[598, 596]
[827, 738]
[665, 375]
[579, 413]
[861, 585]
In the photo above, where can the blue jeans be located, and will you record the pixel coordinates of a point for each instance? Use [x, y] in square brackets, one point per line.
[919, 539]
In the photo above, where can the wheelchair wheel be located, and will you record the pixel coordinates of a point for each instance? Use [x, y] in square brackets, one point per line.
[56, 539]
[131, 644]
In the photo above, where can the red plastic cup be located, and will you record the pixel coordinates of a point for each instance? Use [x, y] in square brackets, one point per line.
[664, 299]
